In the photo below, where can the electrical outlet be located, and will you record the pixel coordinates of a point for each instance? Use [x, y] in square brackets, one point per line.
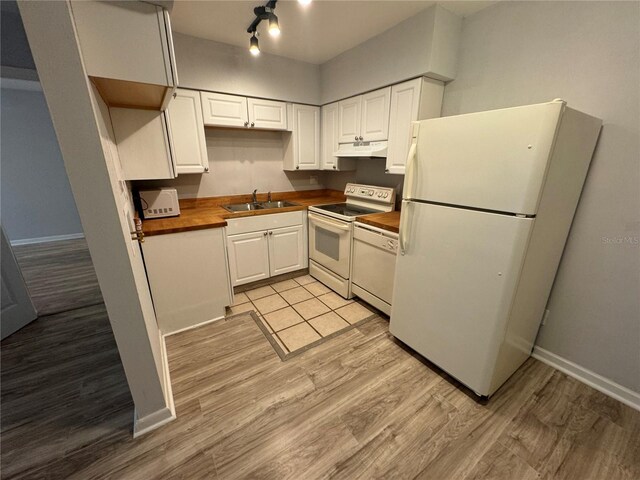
[313, 180]
[545, 316]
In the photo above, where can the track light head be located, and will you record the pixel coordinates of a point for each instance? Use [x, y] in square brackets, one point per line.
[254, 47]
[274, 27]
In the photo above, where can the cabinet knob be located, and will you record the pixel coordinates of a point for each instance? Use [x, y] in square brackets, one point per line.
[356, 138]
[206, 169]
[297, 167]
[175, 94]
[265, 234]
[334, 167]
[361, 138]
[253, 124]
[270, 233]
[246, 124]
[386, 170]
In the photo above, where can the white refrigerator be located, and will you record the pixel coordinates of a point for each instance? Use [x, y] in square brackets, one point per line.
[487, 205]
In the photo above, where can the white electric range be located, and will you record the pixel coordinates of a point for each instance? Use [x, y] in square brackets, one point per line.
[331, 233]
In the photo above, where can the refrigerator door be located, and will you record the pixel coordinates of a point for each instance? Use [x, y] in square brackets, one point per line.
[454, 286]
[494, 160]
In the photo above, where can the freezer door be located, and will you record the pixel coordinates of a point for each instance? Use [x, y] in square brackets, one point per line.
[454, 286]
[494, 160]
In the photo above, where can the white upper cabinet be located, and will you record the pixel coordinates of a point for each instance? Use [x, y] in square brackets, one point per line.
[374, 125]
[224, 110]
[302, 145]
[364, 118]
[186, 129]
[143, 143]
[349, 119]
[221, 110]
[330, 141]
[267, 114]
[124, 43]
[417, 99]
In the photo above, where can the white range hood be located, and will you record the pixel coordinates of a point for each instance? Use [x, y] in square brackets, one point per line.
[362, 149]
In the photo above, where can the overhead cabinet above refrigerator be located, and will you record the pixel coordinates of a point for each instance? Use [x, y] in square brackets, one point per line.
[488, 201]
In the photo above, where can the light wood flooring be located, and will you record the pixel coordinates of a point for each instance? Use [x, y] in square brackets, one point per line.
[357, 406]
[59, 275]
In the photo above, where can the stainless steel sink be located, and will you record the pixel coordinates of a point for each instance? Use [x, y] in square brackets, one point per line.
[279, 204]
[242, 207]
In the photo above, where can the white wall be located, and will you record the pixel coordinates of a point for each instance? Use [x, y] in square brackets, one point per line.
[588, 54]
[207, 65]
[36, 196]
[239, 162]
[425, 44]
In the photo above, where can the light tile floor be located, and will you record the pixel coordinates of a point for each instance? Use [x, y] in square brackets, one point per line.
[300, 311]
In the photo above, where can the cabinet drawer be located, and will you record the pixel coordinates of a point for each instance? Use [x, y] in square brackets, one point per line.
[264, 222]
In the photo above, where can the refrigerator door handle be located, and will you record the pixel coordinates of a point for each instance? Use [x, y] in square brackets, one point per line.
[403, 230]
[408, 187]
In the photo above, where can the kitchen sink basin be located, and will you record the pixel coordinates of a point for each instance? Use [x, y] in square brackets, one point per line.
[279, 204]
[242, 207]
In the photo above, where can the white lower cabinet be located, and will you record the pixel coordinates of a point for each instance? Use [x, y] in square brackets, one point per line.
[248, 257]
[286, 250]
[188, 276]
[266, 245]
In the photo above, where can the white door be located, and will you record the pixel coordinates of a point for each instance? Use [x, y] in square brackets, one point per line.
[306, 136]
[494, 160]
[454, 286]
[219, 110]
[248, 257]
[17, 308]
[186, 128]
[143, 143]
[405, 101]
[267, 114]
[349, 117]
[374, 125]
[330, 243]
[286, 249]
[329, 136]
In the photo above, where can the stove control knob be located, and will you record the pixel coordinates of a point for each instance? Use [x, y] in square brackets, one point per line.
[386, 194]
[379, 194]
[371, 193]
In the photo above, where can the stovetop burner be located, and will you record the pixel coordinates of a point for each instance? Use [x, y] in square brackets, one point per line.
[346, 209]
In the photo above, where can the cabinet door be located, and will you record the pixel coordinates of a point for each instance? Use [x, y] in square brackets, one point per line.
[349, 120]
[375, 115]
[248, 257]
[125, 41]
[286, 249]
[224, 110]
[143, 143]
[186, 127]
[405, 101]
[329, 136]
[267, 114]
[306, 137]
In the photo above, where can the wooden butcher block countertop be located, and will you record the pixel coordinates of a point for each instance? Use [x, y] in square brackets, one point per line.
[201, 213]
[387, 221]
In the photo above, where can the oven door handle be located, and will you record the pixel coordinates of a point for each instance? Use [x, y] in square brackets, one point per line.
[329, 223]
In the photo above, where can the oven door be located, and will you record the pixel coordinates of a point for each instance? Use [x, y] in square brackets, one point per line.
[330, 243]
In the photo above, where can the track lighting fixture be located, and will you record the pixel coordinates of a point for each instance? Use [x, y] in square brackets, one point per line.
[263, 13]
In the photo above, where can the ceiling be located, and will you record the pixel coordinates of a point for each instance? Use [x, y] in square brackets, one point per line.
[314, 33]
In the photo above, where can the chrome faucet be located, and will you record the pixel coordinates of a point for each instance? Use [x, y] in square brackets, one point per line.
[254, 196]
[269, 197]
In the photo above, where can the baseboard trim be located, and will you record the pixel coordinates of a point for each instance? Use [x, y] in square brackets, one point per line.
[600, 383]
[191, 327]
[54, 238]
[164, 415]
